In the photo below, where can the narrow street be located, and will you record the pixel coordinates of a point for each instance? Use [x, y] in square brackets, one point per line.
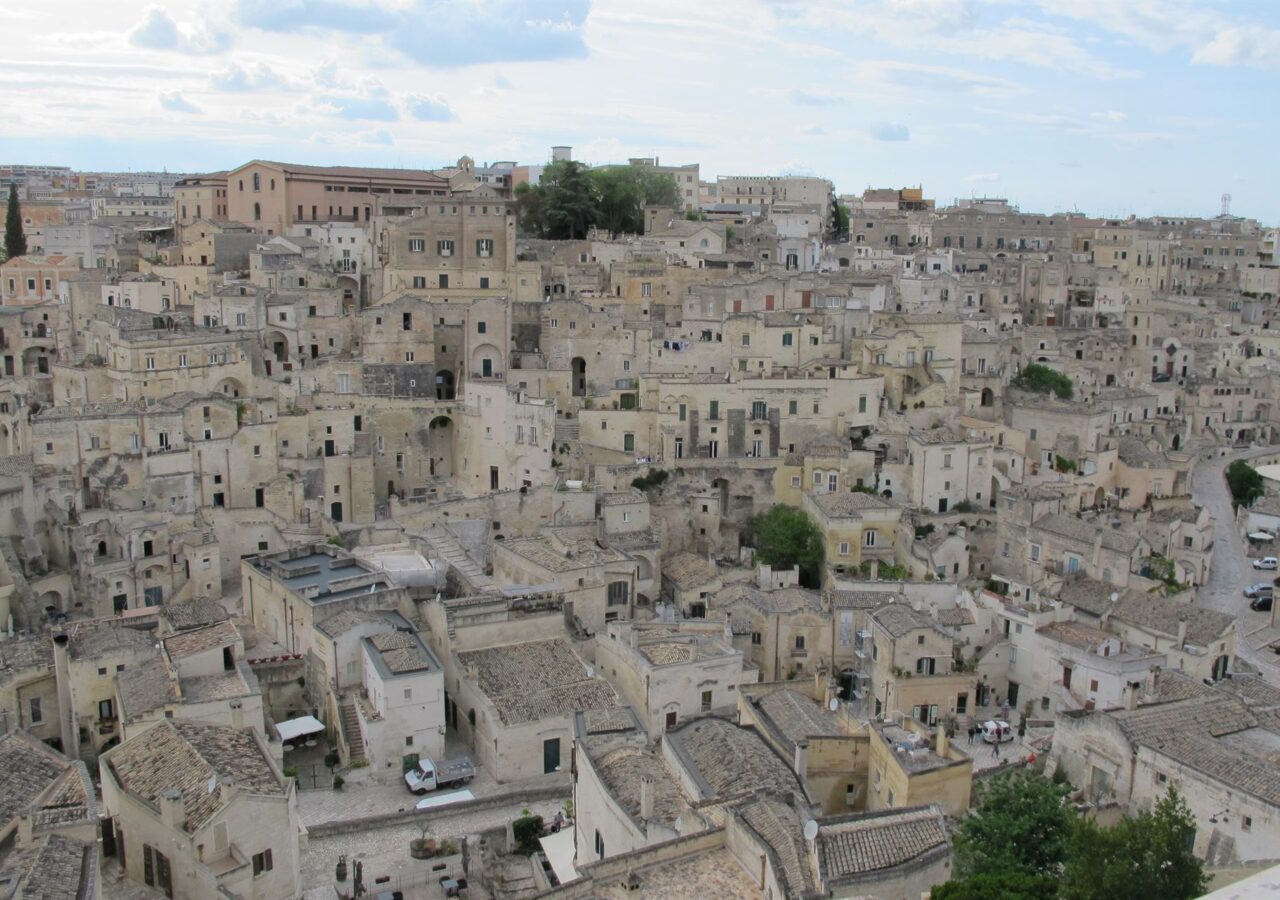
[1232, 569]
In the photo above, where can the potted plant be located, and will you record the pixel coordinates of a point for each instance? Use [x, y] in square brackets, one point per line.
[422, 847]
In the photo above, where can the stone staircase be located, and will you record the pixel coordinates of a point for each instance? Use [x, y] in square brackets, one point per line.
[351, 730]
[467, 570]
[567, 430]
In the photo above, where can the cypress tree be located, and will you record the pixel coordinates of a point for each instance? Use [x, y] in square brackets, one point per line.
[15, 241]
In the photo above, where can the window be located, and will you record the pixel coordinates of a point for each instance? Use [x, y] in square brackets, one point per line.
[946, 460]
[706, 701]
[759, 410]
[869, 538]
[793, 406]
[106, 709]
[787, 338]
[679, 448]
[417, 245]
[484, 247]
[756, 638]
[241, 319]
[844, 548]
[151, 362]
[480, 327]
[1035, 552]
[746, 340]
[862, 403]
[419, 282]
[444, 248]
[35, 714]
[262, 861]
[628, 442]
[799, 643]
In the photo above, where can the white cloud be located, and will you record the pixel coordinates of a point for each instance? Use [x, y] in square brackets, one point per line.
[245, 78]
[431, 109]
[1110, 115]
[889, 131]
[983, 178]
[158, 31]
[175, 102]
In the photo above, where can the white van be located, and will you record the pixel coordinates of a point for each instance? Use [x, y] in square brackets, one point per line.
[997, 731]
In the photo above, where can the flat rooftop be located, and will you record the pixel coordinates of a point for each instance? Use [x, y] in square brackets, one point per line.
[321, 577]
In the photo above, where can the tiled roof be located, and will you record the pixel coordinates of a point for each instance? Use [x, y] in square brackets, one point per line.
[728, 761]
[402, 651]
[536, 680]
[797, 717]
[1075, 634]
[780, 826]
[30, 768]
[899, 619]
[842, 599]
[850, 504]
[785, 600]
[145, 687]
[32, 652]
[56, 868]
[954, 618]
[188, 757]
[1161, 615]
[1088, 594]
[622, 769]
[871, 843]
[1083, 532]
[1161, 723]
[198, 640]
[71, 801]
[89, 640]
[194, 613]
[688, 570]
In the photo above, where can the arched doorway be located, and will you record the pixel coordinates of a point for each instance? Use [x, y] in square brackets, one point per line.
[1177, 440]
[335, 511]
[988, 397]
[277, 344]
[485, 361]
[445, 389]
[578, 368]
[722, 486]
[440, 436]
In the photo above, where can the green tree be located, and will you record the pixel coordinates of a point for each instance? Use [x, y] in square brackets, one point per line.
[1004, 885]
[529, 210]
[840, 222]
[1021, 825]
[1245, 483]
[15, 241]
[569, 200]
[786, 537]
[1043, 380]
[624, 193]
[1147, 855]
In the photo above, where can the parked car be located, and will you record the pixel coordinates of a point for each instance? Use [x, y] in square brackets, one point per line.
[428, 776]
[1261, 537]
[1261, 589]
[1261, 603]
[1267, 562]
[997, 731]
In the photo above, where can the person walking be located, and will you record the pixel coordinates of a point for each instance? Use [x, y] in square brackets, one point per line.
[972, 732]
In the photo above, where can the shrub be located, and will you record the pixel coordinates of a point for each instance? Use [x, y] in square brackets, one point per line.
[338, 782]
[526, 830]
[1040, 379]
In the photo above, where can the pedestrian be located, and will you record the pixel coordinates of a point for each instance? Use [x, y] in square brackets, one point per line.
[995, 748]
[972, 731]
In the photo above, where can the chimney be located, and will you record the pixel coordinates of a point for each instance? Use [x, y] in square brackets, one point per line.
[1131, 694]
[646, 798]
[237, 714]
[941, 742]
[173, 811]
[1182, 630]
[802, 758]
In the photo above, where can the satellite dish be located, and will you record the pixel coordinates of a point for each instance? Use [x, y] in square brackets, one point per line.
[833, 704]
[810, 830]
[1115, 595]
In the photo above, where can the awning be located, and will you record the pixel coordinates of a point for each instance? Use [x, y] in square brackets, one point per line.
[560, 851]
[295, 728]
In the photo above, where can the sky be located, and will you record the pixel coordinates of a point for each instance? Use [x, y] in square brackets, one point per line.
[1109, 107]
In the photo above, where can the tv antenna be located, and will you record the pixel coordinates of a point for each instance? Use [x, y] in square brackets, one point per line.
[1226, 205]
